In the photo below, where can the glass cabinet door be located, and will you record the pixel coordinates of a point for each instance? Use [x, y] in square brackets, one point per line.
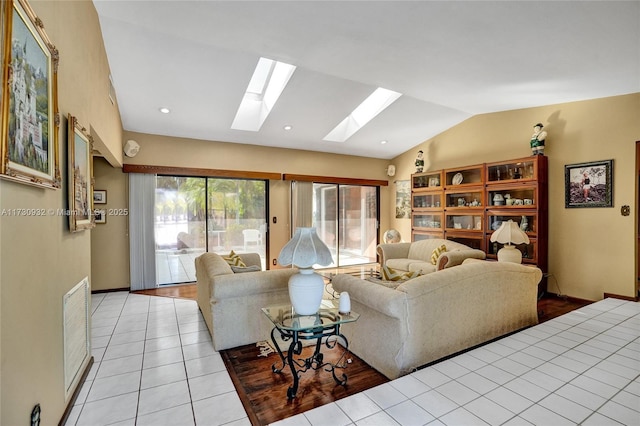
[427, 220]
[527, 221]
[427, 200]
[471, 198]
[515, 170]
[468, 222]
[512, 197]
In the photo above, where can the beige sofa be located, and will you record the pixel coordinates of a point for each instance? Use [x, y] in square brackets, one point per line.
[438, 314]
[416, 256]
[231, 302]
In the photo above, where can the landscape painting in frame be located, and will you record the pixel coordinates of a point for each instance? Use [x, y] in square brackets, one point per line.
[29, 99]
[403, 200]
[589, 184]
[80, 177]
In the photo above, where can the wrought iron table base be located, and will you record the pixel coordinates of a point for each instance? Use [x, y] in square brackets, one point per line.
[315, 361]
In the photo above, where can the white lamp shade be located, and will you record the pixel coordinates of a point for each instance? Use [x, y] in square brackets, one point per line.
[509, 233]
[305, 250]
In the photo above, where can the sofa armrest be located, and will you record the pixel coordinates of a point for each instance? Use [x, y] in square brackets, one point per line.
[251, 259]
[392, 251]
[456, 257]
[250, 283]
[380, 298]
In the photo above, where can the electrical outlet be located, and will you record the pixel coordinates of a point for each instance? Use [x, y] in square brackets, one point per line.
[275, 262]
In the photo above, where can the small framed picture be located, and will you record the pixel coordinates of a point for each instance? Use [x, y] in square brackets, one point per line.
[100, 215]
[99, 196]
[589, 184]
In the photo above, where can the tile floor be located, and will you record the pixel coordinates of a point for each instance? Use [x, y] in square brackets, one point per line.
[155, 365]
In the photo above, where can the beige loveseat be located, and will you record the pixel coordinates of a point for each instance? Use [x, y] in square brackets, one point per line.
[416, 256]
[438, 314]
[231, 302]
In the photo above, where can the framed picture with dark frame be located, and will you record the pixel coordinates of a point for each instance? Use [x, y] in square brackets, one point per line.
[80, 146]
[100, 215]
[29, 140]
[99, 196]
[589, 184]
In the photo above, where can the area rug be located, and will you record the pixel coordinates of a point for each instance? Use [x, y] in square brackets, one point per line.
[264, 393]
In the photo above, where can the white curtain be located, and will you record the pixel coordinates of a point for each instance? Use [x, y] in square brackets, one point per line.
[301, 204]
[142, 246]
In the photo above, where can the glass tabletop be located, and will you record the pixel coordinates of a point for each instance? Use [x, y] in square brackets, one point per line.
[284, 317]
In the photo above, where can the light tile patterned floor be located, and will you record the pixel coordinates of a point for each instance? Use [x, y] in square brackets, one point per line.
[155, 365]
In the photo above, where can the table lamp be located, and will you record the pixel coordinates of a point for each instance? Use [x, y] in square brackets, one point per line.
[508, 234]
[306, 287]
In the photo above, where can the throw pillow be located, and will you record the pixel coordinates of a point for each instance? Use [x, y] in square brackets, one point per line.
[436, 253]
[240, 269]
[390, 274]
[234, 259]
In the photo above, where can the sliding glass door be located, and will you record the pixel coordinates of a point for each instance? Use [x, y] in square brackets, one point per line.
[346, 219]
[198, 214]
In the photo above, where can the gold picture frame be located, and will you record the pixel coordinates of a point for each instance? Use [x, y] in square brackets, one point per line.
[80, 146]
[30, 120]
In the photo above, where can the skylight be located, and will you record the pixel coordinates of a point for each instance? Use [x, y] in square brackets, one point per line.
[365, 112]
[267, 83]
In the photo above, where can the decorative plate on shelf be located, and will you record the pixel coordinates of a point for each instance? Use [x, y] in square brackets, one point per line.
[457, 179]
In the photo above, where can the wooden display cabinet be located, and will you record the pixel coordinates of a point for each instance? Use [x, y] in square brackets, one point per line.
[470, 202]
[517, 190]
[427, 205]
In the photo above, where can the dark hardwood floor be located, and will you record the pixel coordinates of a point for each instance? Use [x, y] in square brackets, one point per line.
[264, 393]
[180, 291]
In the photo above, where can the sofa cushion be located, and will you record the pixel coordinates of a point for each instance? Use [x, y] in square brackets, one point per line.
[234, 260]
[435, 254]
[421, 267]
[240, 269]
[388, 284]
[412, 265]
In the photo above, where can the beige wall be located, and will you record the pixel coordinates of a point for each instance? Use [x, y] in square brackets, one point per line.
[591, 250]
[41, 260]
[177, 152]
[110, 241]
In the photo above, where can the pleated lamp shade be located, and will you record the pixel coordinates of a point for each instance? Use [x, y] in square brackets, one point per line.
[305, 250]
[508, 234]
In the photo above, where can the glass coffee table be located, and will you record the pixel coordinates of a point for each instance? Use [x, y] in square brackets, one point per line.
[323, 326]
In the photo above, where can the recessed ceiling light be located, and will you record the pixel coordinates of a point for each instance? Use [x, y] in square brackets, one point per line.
[165, 110]
[288, 127]
[383, 142]
[365, 112]
[267, 83]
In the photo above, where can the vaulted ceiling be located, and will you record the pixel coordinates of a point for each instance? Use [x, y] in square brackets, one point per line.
[449, 59]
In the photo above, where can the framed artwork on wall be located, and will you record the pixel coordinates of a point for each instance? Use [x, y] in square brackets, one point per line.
[99, 196]
[403, 200]
[80, 146]
[29, 139]
[100, 215]
[589, 184]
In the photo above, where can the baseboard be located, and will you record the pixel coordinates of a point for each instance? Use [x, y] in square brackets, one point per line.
[111, 290]
[569, 298]
[617, 296]
[72, 400]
